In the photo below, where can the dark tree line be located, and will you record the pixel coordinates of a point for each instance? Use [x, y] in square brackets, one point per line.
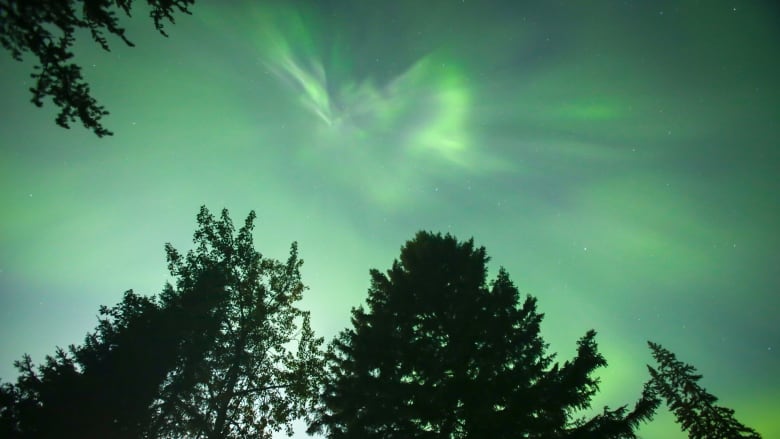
[47, 30]
[437, 352]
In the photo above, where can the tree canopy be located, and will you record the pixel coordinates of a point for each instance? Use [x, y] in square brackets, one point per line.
[102, 388]
[693, 407]
[47, 29]
[223, 353]
[260, 368]
[439, 353]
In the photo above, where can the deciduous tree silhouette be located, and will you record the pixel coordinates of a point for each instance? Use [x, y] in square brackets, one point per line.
[223, 353]
[261, 369]
[440, 354]
[47, 28]
[693, 406]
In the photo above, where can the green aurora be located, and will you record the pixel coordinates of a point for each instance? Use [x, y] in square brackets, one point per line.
[620, 159]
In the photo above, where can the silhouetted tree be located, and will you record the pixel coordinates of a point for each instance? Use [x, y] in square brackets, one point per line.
[47, 28]
[440, 354]
[261, 367]
[223, 353]
[102, 388]
[693, 406]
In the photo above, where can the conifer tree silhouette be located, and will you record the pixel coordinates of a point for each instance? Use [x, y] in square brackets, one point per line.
[692, 405]
[439, 353]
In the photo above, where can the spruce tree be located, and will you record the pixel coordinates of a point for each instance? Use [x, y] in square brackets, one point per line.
[102, 388]
[439, 353]
[692, 405]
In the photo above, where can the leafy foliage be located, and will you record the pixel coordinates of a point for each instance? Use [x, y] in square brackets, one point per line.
[439, 354]
[100, 389]
[224, 353]
[693, 406]
[27, 26]
[259, 365]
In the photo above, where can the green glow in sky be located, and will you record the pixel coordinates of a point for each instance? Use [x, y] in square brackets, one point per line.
[620, 159]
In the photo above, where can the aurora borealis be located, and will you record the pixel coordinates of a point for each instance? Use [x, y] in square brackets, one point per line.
[620, 159]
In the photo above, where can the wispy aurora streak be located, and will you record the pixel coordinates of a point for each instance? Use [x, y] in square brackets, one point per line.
[423, 109]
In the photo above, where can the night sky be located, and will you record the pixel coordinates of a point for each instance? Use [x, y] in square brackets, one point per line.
[619, 158]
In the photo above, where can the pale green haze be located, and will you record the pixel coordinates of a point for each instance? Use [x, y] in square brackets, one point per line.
[619, 158]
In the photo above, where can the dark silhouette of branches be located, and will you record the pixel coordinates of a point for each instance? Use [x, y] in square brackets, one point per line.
[692, 405]
[47, 29]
